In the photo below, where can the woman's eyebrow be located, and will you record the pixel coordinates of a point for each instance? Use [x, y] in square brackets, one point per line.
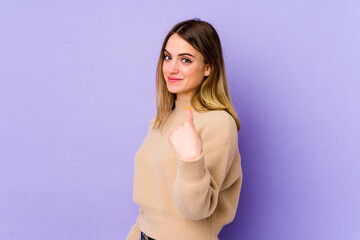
[181, 54]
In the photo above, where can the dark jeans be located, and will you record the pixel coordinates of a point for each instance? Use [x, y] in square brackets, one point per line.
[143, 238]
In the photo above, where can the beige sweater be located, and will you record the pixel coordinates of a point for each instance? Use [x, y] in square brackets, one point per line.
[187, 200]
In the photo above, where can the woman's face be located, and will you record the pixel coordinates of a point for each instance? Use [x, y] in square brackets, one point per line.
[183, 67]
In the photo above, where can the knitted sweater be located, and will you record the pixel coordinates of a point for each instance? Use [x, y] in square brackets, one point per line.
[187, 200]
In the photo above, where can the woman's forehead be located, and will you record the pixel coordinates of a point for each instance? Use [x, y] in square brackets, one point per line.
[177, 45]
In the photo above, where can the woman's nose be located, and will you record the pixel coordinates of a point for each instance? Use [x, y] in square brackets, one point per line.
[173, 66]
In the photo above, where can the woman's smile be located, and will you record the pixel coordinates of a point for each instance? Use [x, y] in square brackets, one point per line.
[174, 80]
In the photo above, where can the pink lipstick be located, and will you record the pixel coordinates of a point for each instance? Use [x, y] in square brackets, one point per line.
[173, 80]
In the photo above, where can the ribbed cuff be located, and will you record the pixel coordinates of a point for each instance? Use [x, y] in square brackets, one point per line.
[191, 170]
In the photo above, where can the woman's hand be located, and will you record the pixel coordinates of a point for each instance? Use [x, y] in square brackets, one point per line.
[185, 140]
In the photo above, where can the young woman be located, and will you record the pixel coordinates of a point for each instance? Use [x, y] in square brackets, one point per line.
[188, 175]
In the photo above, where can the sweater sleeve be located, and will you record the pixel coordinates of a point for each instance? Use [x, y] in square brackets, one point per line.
[134, 233]
[198, 183]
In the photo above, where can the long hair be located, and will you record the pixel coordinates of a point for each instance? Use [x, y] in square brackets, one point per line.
[213, 92]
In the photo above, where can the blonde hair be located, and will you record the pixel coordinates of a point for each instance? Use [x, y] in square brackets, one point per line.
[213, 92]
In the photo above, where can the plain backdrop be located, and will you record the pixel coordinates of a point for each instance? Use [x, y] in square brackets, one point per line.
[77, 91]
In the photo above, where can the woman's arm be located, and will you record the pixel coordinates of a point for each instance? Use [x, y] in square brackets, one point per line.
[198, 183]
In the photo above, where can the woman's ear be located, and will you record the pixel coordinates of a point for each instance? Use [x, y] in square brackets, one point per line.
[207, 70]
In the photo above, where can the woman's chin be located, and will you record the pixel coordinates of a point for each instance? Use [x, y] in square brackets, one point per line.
[173, 90]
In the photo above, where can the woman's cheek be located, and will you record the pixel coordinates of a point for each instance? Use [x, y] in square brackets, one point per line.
[186, 71]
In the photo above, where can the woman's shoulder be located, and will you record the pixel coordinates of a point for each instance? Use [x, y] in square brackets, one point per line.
[217, 117]
[216, 127]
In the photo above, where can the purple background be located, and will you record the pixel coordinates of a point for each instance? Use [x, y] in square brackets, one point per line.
[77, 94]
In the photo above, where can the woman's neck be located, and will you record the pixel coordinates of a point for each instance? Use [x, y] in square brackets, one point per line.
[182, 103]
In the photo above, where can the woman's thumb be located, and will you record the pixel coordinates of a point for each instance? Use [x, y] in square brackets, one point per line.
[189, 116]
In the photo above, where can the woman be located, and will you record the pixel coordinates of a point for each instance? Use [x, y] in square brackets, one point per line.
[188, 176]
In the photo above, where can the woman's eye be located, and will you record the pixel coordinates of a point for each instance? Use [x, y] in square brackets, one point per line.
[185, 60]
[166, 57]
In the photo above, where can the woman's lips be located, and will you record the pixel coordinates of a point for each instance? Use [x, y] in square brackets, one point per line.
[174, 80]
